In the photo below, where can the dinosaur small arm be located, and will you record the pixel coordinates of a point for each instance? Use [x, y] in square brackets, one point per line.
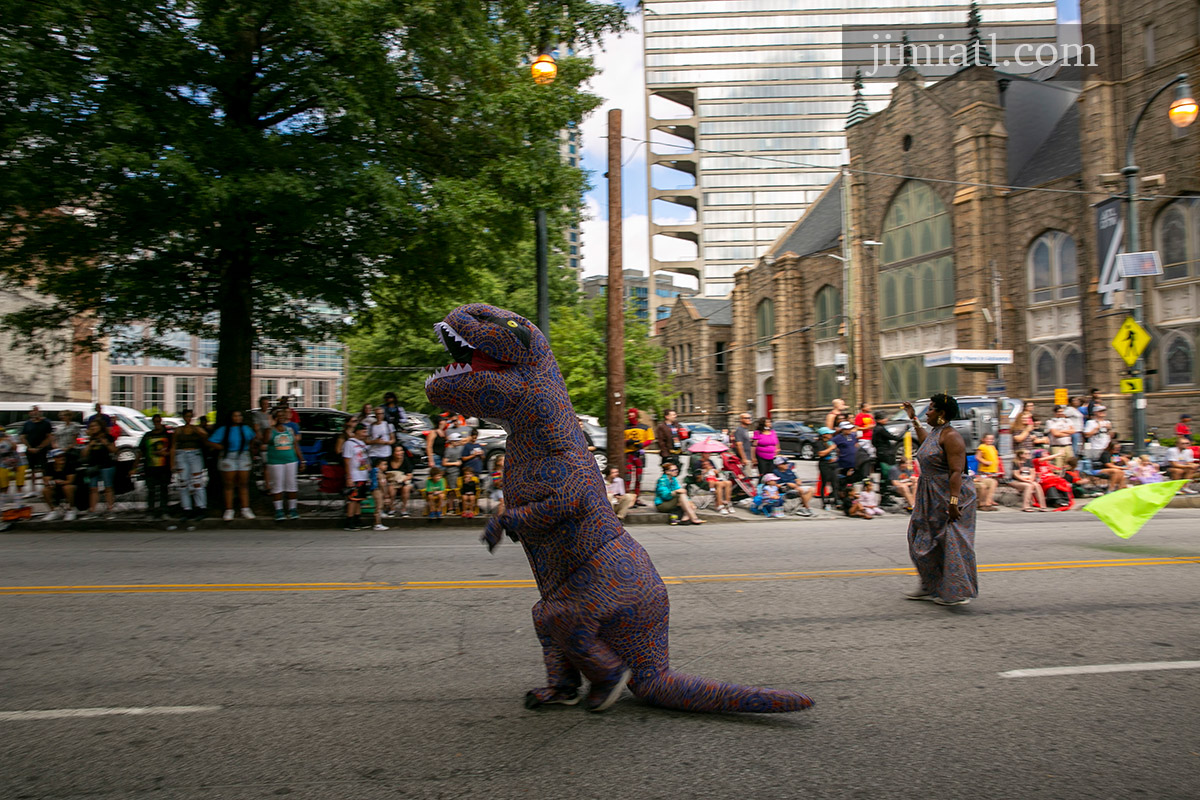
[603, 609]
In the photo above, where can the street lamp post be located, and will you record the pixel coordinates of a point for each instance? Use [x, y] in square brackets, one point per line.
[1182, 113]
[544, 70]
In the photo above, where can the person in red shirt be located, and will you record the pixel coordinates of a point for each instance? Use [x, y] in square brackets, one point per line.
[1184, 428]
[864, 421]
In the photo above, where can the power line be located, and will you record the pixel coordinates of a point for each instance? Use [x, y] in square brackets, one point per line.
[821, 168]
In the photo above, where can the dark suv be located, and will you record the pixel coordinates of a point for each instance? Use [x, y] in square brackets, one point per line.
[319, 429]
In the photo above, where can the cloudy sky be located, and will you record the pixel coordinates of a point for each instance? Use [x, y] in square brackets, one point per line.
[621, 84]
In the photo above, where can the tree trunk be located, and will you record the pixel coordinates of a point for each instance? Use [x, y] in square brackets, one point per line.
[235, 341]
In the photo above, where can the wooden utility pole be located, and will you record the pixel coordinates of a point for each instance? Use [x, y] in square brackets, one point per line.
[615, 294]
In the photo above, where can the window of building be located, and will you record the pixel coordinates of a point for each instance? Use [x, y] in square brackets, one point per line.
[719, 360]
[722, 401]
[1176, 231]
[1057, 366]
[1179, 360]
[185, 394]
[688, 366]
[827, 313]
[765, 319]
[206, 353]
[154, 391]
[905, 378]
[1053, 270]
[210, 394]
[295, 390]
[122, 391]
[321, 397]
[181, 342]
[269, 387]
[124, 344]
[916, 283]
[1148, 44]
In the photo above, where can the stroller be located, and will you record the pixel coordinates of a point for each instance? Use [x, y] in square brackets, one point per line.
[743, 486]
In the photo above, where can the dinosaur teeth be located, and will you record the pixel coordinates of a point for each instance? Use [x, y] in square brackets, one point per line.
[448, 371]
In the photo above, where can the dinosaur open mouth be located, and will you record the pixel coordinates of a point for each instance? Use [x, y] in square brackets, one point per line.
[466, 358]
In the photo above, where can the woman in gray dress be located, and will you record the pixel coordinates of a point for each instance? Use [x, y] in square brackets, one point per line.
[941, 532]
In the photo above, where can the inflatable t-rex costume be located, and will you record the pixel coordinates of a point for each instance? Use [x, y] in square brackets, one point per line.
[604, 608]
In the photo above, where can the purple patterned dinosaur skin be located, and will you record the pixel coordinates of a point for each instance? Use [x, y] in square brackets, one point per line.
[603, 612]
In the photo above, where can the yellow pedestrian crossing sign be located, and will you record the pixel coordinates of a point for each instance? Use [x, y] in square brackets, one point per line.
[1131, 340]
[1131, 385]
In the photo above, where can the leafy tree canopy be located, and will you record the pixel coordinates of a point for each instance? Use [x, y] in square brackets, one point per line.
[249, 170]
[396, 354]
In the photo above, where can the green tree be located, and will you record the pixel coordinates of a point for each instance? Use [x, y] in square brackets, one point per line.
[248, 170]
[578, 339]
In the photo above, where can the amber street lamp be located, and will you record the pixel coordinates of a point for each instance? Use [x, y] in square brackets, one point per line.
[544, 69]
[1182, 113]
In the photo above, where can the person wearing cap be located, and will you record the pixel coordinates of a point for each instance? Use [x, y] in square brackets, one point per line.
[1060, 429]
[284, 460]
[59, 490]
[1184, 426]
[846, 439]
[768, 500]
[791, 486]
[362, 478]
[452, 461]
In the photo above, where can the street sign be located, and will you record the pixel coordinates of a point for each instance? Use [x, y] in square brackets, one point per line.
[996, 387]
[1139, 265]
[1130, 341]
[1061, 398]
[1131, 385]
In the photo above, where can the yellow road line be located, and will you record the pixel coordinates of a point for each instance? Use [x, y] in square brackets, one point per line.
[154, 588]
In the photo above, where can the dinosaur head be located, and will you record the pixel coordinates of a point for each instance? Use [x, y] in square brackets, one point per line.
[495, 353]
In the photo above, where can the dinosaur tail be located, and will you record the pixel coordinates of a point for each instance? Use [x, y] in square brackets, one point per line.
[671, 689]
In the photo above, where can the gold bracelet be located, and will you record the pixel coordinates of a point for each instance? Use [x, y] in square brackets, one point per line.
[953, 501]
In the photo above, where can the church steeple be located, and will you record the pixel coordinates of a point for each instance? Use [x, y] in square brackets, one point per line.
[977, 52]
[858, 110]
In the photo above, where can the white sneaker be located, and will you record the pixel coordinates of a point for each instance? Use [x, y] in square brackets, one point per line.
[228, 515]
[53, 515]
[380, 527]
[70, 517]
[247, 514]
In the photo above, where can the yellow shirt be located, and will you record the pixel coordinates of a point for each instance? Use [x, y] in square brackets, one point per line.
[637, 434]
[987, 452]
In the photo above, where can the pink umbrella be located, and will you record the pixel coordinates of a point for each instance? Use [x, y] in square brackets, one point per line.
[708, 445]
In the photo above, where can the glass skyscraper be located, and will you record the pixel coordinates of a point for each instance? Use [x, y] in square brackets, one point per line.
[747, 103]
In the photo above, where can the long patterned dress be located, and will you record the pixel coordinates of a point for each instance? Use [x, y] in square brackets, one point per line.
[943, 552]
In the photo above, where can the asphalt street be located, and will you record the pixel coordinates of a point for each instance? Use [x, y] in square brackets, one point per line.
[314, 664]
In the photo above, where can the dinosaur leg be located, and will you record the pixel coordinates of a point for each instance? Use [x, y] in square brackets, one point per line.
[575, 633]
[562, 677]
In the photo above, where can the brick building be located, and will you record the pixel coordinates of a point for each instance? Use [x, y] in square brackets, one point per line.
[970, 204]
[696, 337]
[66, 377]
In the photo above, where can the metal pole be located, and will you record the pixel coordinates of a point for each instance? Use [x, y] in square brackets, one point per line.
[1132, 244]
[543, 275]
[615, 303]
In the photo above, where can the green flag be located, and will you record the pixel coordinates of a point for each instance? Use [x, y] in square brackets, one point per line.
[1128, 510]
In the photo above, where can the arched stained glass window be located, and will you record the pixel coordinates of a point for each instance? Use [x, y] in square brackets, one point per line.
[828, 310]
[765, 319]
[1173, 240]
[917, 280]
[1053, 268]
[1180, 361]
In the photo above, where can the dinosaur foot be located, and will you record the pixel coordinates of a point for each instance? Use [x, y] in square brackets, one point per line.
[604, 695]
[551, 696]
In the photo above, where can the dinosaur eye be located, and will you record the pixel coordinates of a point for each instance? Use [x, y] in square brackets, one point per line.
[512, 323]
